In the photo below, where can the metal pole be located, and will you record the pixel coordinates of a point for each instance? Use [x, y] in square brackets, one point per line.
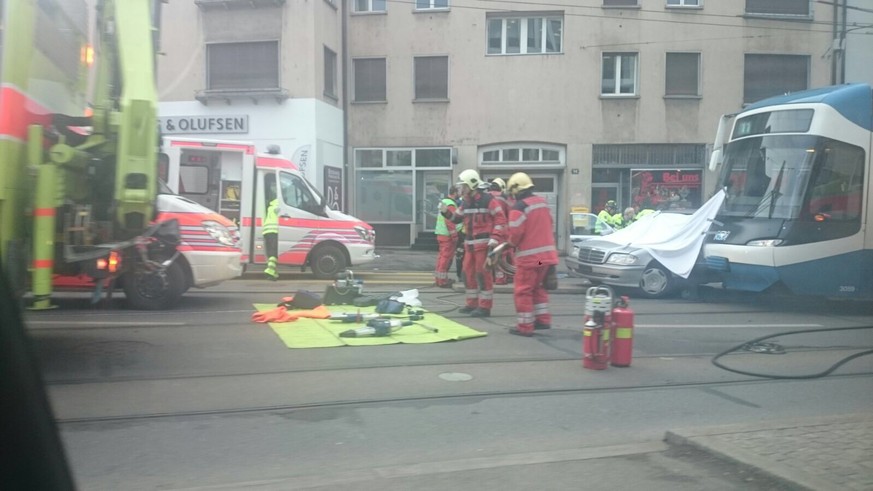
[843, 45]
[43, 221]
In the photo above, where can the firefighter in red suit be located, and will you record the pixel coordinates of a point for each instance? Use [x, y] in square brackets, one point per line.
[484, 228]
[497, 190]
[531, 233]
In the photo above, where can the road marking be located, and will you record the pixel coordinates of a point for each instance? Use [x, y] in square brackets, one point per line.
[711, 326]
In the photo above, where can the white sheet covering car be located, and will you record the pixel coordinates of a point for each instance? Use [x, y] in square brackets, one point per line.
[656, 253]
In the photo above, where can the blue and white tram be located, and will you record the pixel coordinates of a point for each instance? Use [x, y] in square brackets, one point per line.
[797, 170]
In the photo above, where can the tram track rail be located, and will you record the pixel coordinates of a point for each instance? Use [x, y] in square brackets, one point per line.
[363, 402]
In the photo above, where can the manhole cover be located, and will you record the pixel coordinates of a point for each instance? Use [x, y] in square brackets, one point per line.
[456, 376]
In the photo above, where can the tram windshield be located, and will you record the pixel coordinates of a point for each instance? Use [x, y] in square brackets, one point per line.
[792, 177]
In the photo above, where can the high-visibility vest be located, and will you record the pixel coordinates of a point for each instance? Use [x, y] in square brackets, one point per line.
[441, 227]
[271, 220]
[642, 213]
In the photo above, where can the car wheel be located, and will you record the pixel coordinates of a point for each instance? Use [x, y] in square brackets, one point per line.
[327, 261]
[154, 290]
[656, 281]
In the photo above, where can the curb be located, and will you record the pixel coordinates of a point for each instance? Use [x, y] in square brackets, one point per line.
[706, 440]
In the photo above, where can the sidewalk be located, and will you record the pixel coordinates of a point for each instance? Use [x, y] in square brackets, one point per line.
[821, 454]
[392, 261]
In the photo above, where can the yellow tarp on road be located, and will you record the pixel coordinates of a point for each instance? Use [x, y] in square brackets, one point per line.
[324, 333]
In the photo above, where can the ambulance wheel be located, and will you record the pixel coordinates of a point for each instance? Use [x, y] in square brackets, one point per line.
[154, 290]
[327, 261]
[657, 281]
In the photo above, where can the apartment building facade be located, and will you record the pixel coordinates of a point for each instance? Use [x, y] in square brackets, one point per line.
[595, 99]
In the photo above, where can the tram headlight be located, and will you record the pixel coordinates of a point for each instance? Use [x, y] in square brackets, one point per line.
[764, 242]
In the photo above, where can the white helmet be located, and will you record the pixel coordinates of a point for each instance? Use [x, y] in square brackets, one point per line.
[470, 178]
[498, 185]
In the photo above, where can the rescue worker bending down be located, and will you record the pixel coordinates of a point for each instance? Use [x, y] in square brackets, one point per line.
[496, 189]
[270, 230]
[628, 216]
[485, 227]
[609, 214]
[447, 238]
[531, 233]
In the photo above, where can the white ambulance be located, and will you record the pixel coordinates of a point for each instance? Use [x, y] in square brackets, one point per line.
[231, 178]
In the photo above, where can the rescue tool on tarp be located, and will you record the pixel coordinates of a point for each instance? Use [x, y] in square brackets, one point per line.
[348, 317]
[384, 327]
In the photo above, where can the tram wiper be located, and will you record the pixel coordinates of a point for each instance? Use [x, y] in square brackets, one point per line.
[770, 198]
[775, 194]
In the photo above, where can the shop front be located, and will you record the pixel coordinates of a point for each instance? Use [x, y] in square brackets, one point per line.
[657, 176]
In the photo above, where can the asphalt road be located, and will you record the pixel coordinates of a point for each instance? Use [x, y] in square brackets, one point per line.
[201, 398]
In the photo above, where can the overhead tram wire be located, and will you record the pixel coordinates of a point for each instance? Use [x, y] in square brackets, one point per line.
[768, 27]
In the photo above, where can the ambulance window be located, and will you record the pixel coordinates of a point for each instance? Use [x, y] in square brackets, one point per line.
[269, 188]
[193, 179]
[296, 193]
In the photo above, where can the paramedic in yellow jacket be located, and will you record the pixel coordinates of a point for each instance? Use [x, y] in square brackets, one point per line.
[270, 231]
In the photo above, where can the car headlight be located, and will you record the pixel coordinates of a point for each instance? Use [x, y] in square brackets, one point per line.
[368, 235]
[764, 242]
[219, 232]
[575, 252]
[622, 259]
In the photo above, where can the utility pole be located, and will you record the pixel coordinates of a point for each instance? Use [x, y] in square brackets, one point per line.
[843, 43]
[834, 44]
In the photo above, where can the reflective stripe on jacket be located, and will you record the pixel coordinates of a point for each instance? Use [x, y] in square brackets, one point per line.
[483, 220]
[271, 220]
[531, 231]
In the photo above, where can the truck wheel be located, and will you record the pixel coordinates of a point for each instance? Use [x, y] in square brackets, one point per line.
[154, 290]
[656, 281]
[327, 261]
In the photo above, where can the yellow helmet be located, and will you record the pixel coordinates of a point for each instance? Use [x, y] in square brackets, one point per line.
[498, 184]
[519, 182]
[469, 177]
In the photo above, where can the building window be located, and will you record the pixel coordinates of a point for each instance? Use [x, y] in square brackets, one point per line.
[620, 3]
[779, 7]
[385, 196]
[521, 154]
[329, 73]
[683, 3]
[385, 176]
[683, 74]
[242, 65]
[431, 4]
[525, 35]
[433, 157]
[431, 78]
[377, 158]
[369, 83]
[619, 75]
[768, 75]
[370, 5]
[398, 158]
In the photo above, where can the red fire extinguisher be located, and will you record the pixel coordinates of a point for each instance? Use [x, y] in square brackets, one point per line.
[596, 333]
[623, 338]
